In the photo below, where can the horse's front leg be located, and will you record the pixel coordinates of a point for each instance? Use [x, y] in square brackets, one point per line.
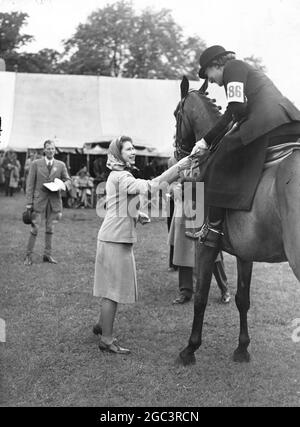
[205, 260]
[242, 300]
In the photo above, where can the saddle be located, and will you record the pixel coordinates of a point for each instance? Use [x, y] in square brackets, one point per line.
[279, 152]
[274, 155]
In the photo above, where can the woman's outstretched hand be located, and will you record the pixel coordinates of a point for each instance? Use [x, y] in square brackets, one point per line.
[184, 163]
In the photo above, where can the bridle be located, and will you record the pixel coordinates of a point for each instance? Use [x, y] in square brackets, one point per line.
[183, 148]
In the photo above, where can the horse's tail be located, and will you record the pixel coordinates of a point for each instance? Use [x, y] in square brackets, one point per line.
[288, 195]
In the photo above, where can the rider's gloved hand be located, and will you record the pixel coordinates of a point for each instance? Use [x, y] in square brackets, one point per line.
[200, 147]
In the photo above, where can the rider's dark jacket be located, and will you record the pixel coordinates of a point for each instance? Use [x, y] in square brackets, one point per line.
[264, 117]
[264, 107]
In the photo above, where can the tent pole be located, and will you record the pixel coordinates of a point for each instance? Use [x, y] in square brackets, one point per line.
[88, 162]
[68, 161]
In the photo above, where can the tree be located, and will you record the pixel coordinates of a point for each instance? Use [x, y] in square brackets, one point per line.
[44, 61]
[115, 41]
[192, 48]
[102, 45]
[156, 47]
[255, 62]
[11, 38]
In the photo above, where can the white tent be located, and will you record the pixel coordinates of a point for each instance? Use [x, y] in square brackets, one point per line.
[76, 110]
[102, 148]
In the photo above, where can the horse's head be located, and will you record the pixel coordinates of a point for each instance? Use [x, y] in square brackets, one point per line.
[195, 116]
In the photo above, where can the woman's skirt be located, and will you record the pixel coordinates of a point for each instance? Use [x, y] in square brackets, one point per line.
[115, 272]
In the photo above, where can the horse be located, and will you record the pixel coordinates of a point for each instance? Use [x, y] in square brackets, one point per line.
[269, 232]
[185, 244]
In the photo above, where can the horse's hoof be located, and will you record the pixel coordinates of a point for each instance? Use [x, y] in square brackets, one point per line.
[241, 356]
[225, 298]
[186, 358]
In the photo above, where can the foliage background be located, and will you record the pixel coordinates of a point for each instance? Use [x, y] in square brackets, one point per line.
[114, 41]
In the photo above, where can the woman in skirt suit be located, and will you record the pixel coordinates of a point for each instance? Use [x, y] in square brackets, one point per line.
[115, 272]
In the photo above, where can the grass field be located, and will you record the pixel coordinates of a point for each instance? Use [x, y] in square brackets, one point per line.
[51, 358]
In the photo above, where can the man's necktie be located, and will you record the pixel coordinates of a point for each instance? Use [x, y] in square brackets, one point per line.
[49, 166]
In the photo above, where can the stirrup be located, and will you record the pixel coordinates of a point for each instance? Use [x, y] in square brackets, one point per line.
[210, 236]
[203, 232]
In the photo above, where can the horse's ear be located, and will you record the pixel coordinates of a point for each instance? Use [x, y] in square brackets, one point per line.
[184, 87]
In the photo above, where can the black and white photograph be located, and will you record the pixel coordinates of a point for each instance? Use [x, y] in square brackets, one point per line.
[149, 206]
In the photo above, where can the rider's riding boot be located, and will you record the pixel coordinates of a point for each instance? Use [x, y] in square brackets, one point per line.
[212, 226]
[209, 234]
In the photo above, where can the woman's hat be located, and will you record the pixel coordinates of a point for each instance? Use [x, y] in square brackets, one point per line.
[114, 156]
[209, 55]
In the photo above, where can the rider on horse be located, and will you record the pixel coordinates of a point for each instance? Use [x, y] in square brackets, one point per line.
[262, 117]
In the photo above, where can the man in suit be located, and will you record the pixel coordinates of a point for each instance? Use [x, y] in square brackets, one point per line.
[43, 201]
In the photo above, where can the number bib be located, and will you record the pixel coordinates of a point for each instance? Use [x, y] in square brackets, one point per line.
[235, 92]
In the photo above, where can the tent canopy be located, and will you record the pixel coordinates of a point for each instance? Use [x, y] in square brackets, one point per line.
[75, 110]
[102, 148]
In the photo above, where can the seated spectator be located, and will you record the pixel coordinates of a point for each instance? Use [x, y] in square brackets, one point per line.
[83, 170]
[84, 185]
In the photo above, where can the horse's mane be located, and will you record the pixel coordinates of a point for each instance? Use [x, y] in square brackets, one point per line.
[208, 104]
[195, 115]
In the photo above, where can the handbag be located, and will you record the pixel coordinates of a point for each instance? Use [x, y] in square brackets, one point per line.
[27, 216]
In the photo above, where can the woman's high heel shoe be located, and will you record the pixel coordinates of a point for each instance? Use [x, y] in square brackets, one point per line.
[114, 347]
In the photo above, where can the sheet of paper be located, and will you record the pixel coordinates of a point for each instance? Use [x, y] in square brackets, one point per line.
[56, 185]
